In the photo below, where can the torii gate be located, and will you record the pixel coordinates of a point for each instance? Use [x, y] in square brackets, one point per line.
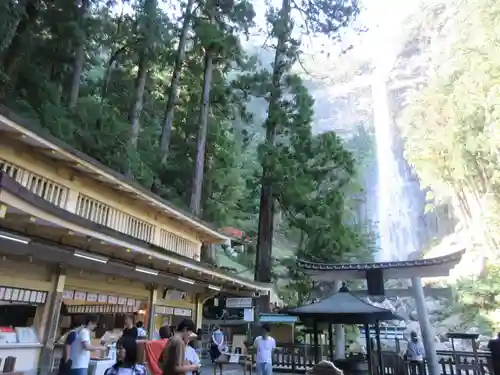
[408, 269]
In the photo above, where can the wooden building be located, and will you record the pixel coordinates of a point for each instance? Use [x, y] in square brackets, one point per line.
[78, 238]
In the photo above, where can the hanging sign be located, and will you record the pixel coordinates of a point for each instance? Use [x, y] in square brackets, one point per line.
[239, 303]
[248, 315]
[69, 294]
[112, 300]
[22, 295]
[100, 309]
[182, 312]
[80, 296]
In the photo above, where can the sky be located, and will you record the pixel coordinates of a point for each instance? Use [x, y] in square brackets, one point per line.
[382, 19]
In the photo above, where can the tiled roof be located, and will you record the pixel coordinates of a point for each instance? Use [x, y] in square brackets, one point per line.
[343, 307]
[313, 266]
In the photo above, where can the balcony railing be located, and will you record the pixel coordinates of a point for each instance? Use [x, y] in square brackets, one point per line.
[41, 186]
[102, 213]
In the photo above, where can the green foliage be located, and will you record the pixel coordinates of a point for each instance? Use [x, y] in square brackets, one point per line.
[452, 125]
[478, 298]
[311, 174]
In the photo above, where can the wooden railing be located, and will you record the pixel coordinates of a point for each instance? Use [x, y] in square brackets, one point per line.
[292, 358]
[102, 213]
[300, 358]
[41, 186]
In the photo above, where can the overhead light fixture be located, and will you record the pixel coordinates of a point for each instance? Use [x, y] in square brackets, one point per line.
[95, 258]
[187, 281]
[147, 271]
[213, 287]
[13, 237]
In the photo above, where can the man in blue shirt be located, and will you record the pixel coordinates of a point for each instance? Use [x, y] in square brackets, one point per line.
[65, 364]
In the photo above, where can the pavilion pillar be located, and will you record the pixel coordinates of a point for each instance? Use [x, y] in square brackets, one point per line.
[330, 341]
[339, 330]
[316, 343]
[425, 327]
[368, 349]
[379, 349]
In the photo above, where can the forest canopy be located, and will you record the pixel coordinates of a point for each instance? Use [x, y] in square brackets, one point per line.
[162, 93]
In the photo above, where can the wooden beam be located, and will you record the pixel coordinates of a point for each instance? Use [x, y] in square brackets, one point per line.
[429, 292]
[18, 217]
[3, 211]
[10, 134]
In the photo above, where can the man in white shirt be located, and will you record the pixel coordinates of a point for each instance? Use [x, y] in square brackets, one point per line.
[191, 356]
[81, 348]
[264, 346]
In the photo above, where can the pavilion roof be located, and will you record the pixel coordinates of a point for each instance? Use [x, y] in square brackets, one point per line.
[342, 308]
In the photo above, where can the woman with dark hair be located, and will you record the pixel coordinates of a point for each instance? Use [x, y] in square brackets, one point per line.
[126, 359]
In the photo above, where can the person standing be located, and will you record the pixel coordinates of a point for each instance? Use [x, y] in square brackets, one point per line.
[141, 332]
[191, 356]
[130, 329]
[154, 350]
[494, 347]
[65, 363]
[415, 353]
[81, 347]
[173, 359]
[264, 346]
[217, 344]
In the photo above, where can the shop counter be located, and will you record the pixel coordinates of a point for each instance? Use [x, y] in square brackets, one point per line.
[26, 356]
[99, 366]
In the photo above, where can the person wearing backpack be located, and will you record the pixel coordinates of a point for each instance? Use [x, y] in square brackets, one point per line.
[126, 359]
[65, 363]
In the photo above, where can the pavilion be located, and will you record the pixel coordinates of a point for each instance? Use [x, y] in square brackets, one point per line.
[345, 308]
[409, 269]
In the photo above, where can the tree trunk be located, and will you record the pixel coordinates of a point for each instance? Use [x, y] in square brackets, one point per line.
[266, 212]
[142, 72]
[136, 108]
[197, 185]
[79, 62]
[173, 89]
[14, 51]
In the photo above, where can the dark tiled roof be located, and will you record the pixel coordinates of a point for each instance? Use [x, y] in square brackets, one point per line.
[34, 127]
[343, 307]
[453, 257]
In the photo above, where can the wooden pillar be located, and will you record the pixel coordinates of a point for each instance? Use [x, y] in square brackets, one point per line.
[368, 349]
[198, 312]
[153, 298]
[339, 330]
[330, 341]
[379, 348]
[316, 343]
[50, 332]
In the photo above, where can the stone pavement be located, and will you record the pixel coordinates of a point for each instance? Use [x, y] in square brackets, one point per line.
[230, 369]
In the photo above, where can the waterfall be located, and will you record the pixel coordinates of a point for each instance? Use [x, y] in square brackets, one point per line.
[398, 229]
